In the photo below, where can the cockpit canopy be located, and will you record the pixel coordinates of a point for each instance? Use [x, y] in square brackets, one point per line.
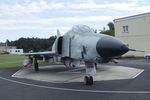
[81, 30]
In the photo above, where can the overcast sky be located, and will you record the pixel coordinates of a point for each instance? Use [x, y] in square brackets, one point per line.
[41, 18]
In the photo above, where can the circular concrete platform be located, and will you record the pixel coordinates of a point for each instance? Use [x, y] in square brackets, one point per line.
[60, 74]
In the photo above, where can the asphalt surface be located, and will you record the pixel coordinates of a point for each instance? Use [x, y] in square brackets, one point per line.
[132, 89]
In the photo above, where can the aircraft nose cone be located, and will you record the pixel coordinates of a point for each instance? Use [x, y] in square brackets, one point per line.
[110, 47]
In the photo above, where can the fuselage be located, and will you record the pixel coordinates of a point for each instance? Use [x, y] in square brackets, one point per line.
[81, 43]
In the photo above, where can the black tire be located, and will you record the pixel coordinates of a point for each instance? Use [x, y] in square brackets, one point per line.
[88, 80]
[147, 57]
[91, 80]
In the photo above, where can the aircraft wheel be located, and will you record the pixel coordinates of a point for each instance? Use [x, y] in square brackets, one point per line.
[91, 80]
[147, 57]
[88, 80]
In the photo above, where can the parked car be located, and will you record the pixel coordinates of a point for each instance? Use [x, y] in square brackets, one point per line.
[147, 56]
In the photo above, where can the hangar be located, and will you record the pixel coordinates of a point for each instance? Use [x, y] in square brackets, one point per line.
[135, 31]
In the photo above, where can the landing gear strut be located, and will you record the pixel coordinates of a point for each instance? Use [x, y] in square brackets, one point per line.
[36, 65]
[88, 80]
[90, 71]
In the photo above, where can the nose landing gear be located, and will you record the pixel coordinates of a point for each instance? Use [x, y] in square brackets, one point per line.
[90, 72]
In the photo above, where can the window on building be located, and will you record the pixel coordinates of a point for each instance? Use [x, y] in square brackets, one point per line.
[125, 29]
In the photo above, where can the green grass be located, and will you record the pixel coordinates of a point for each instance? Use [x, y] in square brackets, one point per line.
[10, 61]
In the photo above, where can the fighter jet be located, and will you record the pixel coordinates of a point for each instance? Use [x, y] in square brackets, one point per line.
[81, 44]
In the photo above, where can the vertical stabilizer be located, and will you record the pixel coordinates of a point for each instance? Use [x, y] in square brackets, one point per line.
[58, 33]
[54, 47]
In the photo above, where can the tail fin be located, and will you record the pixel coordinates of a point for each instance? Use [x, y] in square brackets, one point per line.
[56, 40]
[58, 33]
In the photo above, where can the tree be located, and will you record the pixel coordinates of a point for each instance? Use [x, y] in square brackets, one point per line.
[35, 44]
[7, 42]
[111, 30]
[111, 26]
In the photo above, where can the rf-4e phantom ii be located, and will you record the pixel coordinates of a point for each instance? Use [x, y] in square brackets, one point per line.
[81, 43]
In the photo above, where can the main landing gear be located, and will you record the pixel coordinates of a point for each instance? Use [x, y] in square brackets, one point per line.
[36, 65]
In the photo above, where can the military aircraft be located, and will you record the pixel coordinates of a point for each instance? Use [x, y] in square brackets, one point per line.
[81, 43]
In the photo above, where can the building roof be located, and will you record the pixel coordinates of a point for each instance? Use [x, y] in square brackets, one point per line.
[132, 17]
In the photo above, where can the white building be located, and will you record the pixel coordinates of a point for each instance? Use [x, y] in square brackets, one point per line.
[135, 31]
[15, 51]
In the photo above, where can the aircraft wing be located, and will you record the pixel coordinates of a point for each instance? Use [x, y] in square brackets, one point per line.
[39, 53]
